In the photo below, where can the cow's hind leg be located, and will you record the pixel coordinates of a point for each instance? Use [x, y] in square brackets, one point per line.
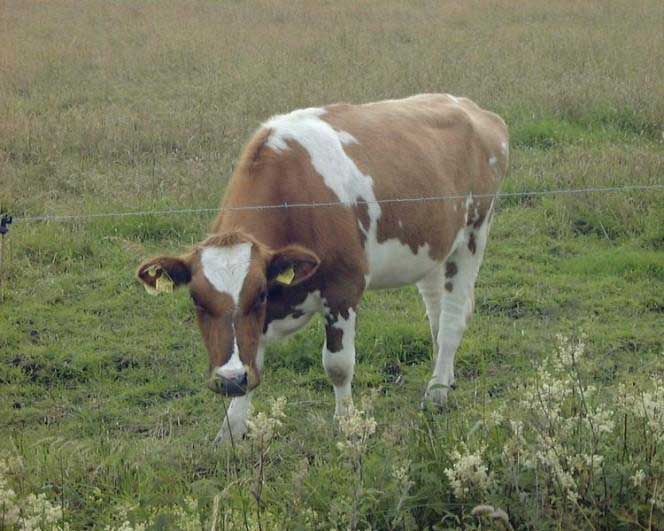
[456, 304]
[339, 355]
[431, 290]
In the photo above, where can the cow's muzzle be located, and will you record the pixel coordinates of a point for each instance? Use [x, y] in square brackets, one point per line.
[235, 385]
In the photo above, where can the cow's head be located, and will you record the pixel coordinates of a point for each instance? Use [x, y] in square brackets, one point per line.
[229, 279]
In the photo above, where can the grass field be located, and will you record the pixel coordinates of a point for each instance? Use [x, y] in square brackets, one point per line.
[104, 416]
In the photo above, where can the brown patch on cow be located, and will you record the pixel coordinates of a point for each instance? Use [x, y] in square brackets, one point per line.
[282, 302]
[472, 246]
[449, 286]
[334, 339]
[450, 269]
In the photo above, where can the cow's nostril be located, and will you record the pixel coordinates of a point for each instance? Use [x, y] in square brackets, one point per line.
[229, 385]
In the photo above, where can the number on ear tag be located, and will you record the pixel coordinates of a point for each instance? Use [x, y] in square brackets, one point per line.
[164, 284]
[286, 276]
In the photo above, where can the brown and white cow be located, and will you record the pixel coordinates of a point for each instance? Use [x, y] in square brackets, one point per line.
[264, 273]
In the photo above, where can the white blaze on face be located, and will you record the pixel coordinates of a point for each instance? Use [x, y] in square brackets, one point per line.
[325, 146]
[234, 366]
[226, 269]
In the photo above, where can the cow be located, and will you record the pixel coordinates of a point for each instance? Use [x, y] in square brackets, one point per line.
[326, 203]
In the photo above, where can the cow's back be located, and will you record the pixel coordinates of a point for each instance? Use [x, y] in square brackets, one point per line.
[385, 162]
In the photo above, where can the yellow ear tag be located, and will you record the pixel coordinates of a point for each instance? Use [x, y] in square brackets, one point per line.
[286, 276]
[163, 282]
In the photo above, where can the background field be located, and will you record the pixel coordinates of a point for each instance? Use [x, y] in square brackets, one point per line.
[108, 106]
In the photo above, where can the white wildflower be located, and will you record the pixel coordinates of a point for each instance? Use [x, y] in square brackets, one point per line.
[31, 512]
[568, 353]
[601, 421]
[262, 426]
[496, 417]
[400, 473]
[468, 473]
[356, 427]
[638, 477]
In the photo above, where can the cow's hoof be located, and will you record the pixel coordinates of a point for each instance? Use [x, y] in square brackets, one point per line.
[224, 436]
[435, 396]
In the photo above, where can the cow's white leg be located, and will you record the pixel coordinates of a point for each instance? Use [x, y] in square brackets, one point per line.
[431, 290]
[456, 305]
[339, 356]
[235, 421]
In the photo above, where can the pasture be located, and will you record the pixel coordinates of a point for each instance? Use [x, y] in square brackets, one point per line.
[557, 421]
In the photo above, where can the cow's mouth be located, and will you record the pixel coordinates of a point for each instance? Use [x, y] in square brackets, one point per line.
[238, 386]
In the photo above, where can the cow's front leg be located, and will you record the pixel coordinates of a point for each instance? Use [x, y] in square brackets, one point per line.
[339, 355]
[235, 419]
[235, 422]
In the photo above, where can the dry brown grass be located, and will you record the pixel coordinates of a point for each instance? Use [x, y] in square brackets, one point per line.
[132, 103]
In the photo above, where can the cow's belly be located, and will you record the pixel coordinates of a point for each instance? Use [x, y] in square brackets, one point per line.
[393, 264]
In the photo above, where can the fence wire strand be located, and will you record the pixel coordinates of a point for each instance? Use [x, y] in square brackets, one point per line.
[327, 204]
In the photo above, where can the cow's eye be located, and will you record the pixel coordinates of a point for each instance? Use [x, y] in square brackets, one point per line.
[262, 297]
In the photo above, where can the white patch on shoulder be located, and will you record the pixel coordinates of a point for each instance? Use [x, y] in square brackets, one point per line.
[227, 267]
[325, 147]
[504, 148]
[492, 161]
[290, 126]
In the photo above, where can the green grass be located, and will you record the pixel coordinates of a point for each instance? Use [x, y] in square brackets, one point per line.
[147, 105]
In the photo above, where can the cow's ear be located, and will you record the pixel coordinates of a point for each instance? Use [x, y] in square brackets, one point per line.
[163, 273]
[291, 265]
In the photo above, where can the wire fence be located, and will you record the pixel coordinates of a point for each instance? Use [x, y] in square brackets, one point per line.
[328, 204]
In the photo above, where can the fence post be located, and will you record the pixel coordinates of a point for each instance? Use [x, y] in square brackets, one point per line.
[5, 221]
